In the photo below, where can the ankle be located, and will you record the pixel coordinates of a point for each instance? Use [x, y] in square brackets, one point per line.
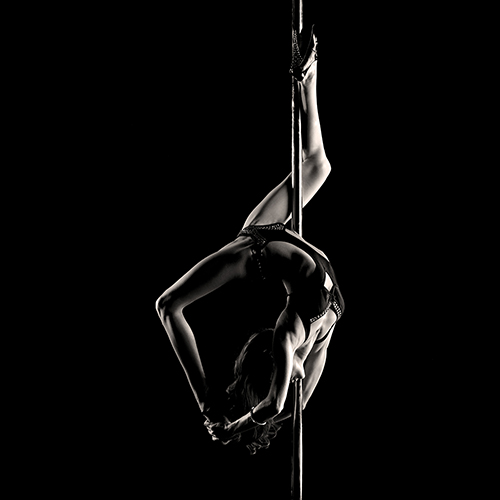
[304, 53]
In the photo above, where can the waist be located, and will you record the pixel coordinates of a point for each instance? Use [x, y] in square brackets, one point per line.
[313, 303]
[256, 232]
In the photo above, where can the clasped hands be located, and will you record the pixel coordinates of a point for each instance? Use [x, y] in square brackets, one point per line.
[220, 431]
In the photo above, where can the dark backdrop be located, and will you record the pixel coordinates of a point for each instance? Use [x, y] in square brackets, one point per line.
[185, 128]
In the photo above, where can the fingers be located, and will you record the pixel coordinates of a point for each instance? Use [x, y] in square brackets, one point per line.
[216, 429]
[209, 425]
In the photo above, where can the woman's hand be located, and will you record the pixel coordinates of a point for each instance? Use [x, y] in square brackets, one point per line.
[221, 431]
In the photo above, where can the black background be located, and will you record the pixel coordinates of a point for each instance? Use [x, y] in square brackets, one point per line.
[183, 127]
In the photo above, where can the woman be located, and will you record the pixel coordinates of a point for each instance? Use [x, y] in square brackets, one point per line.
[264, 248]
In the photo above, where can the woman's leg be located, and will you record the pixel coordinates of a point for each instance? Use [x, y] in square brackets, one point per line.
[208, 275]
[277, 205]
[313, 151]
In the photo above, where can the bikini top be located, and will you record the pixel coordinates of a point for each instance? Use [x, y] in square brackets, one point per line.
[312, 299]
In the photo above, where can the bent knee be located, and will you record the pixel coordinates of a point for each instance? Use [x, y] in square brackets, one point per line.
[318, 165]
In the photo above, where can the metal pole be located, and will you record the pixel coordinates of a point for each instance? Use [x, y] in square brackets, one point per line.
[296, 131]
[297, 16]
[297, 442]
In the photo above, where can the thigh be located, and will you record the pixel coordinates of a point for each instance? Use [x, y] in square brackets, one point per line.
[206, 276]
[275, 207]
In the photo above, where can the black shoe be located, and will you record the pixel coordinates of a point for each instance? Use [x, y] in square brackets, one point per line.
[301, 64]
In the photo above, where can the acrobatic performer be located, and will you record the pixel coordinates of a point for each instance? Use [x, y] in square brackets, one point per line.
[296, 347]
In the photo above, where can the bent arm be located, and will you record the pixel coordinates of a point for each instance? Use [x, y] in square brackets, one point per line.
[313, 367]
[273, 404]
[288, 335]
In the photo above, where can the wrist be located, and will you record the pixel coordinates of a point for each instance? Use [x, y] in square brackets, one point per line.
[241, 425]
[205, 407]
[252, 418]
[233, 427]
[207, 403]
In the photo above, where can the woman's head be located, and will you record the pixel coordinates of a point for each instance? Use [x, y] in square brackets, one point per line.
[253, 371]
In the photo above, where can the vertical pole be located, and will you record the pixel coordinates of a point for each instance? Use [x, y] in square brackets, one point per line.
[297, 441]
[297, 16]
[296, 131]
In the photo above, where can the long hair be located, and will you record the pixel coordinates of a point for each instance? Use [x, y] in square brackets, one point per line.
[253, 371]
